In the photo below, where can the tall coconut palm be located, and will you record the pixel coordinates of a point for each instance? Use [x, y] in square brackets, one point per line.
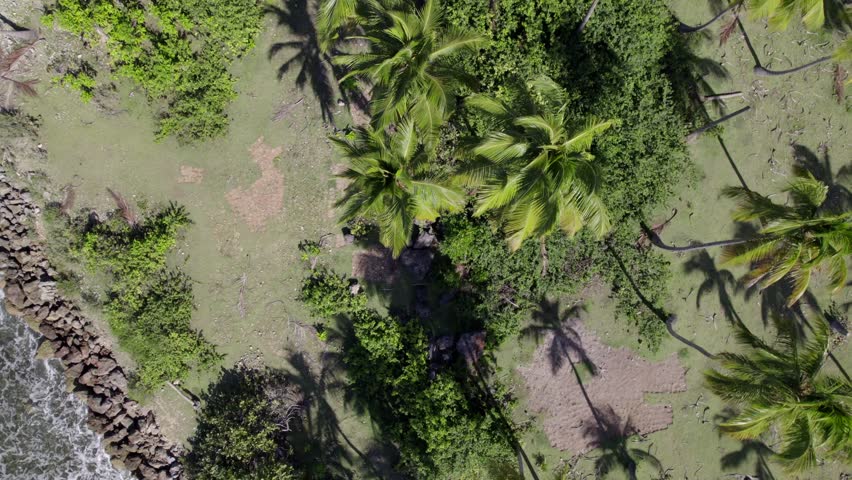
[391, 183]
[781, 386]
[815, 14]
[796, 238]
[536, 170]
[410, 63]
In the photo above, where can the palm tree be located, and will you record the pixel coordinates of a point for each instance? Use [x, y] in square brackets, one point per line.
[780, 386]
[795, 239]
[779, 13]
[536, 170]
[410, 64]
[391, 182]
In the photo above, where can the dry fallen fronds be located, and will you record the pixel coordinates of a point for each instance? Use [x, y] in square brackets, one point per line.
[840, 75]
[68, 202]
[727, 30]
[127, 212]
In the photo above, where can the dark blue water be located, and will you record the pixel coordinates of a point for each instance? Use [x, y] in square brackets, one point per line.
[43, 434]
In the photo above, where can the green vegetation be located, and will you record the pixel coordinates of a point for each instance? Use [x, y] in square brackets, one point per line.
[81, 81]
[781, 386]
[796, 238]
[536, 171]
[392, 183]
[442, 428]
[178, 51]
[149, 305]
[242, 428]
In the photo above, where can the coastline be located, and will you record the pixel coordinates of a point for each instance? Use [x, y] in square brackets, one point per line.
[129, 432]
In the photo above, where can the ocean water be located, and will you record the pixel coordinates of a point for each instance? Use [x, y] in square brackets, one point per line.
[43, 433]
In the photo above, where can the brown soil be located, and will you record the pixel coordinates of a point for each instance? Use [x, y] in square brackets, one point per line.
[190, 174]
[265, 197]
[375, 265]
[616, 389]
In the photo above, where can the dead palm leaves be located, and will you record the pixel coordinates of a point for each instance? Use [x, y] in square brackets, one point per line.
[8, 62]
[124, 208]
[840, 75]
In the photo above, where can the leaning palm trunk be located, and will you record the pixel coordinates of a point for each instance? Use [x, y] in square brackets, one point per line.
[588, 16]
[684, 28]
[694, 135]
[765, 72]
[658, 242]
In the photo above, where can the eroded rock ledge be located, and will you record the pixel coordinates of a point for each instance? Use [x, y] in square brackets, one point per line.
[131, 435]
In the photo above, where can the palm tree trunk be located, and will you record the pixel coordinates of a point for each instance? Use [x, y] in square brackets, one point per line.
[684, 28]
[692, 136]
[544, 262]
[655, 239]
[719, 96]
[763, 72]
[588, 16]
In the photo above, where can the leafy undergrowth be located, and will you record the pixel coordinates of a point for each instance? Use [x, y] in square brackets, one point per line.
[178, 51]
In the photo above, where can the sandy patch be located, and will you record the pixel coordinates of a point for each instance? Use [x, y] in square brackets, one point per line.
[265, 197]
[375, 265]
[190, 174]
[615, 389]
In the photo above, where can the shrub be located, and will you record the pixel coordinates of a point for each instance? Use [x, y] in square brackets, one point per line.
[327, 294]
[442, 429]
[149, 306]
[240, 434]
[179, 51]
[81, 81]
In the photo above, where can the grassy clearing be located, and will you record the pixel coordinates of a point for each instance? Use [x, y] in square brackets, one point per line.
[230, 262]
[797, 109]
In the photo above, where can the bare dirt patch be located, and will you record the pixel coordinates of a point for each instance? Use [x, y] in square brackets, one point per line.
[190, 174]
[616, 387]
[265, 197]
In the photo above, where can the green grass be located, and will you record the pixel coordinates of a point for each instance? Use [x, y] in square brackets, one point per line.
[93, 151]
[797, 108]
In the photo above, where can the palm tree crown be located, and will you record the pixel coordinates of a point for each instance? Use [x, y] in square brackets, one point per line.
[536, 170]
[391, 183]
[795, 239]
[409, 64]
[813, 13]
[781, 385]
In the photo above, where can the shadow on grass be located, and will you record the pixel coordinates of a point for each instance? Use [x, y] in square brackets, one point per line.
[714, 279]
[839, 198]
[748, 449]
[549, 318]
[314, 66]
[611, 435]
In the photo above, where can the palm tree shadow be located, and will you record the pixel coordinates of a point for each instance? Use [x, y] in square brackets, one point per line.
[720, 280]
[611, 435]
[320, 439]
[748, 449]
[566, 340]
[839, 198]
[314, 66]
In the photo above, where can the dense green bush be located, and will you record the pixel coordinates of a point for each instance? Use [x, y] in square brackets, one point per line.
[179, 51]
[441, 427]
[240, 435]
[628, 64]
[149, 306]
[507, 285]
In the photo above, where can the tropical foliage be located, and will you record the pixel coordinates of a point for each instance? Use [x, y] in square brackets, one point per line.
[795, 239]
[410, 62]
[149, 305]
[442, 429]
[780, 386]
[242, 427]
[813, 13]
[177, 50]
[392, 182]
[536, 170]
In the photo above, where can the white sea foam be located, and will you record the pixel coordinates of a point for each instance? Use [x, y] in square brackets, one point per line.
[43, 432]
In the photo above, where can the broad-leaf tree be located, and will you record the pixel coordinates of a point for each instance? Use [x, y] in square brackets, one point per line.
[391, 182]
[796, 238]
[781, 386]
[410, 63]
[535, 170]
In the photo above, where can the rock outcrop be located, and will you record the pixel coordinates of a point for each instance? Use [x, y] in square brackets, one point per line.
[131, 435]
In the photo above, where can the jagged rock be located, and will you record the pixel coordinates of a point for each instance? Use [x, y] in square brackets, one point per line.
[104, 365]
[15, 295]
[99, 404]
[48, 331]
[133, 461]
[147, 472]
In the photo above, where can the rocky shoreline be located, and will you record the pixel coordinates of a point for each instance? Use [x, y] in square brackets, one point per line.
[130, 432]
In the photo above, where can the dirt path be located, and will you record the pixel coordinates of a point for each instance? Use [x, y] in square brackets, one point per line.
[616, 387]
